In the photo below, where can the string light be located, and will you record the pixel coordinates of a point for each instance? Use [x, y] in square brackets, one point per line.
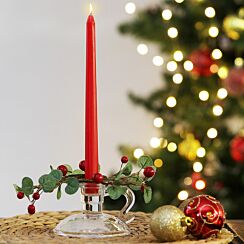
[166, 14]
[188, 65]
[200, 184]
[163, 143]
[214, 68]
[171, 102]
[203, 95]
[177, 78]
[210, 12]
[172, 147]
[172, 32]
[171, 66]
[223, 72]
[158, 61]
[201, 152]
[142, 49]
[222, 93]
[138, 152]
[158, 122]
[212, 133]
[183, 195]
[197, 167]
[217, 110]
[130, 8]
[217, 54]
[213, 31]
[158, 163]
[239, 61]
[178, 56]
[179, 1]
[155, 142]
[188, 181]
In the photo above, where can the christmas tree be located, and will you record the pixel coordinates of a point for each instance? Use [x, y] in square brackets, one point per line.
[199, 108]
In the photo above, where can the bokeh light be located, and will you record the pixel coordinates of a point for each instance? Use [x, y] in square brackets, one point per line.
[158, 60]
[203, 95]
[130, 8]
[158, 122]
[166, 14]
[172, 32]
[138, 152]
[171, 102]
[183, 195]
[177, 78]
[142, 49]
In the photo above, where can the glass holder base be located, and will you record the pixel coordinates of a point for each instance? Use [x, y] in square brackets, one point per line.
[92, 225]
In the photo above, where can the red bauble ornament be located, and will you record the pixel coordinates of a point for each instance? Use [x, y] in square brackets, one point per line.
[202, 62]
[82, 165]
[237, 149]
[36, 195]
[234, 83]
[20, 194]
[98, 178]
[124, 160]
[149, 172]
[31, 209]
[208, 216]
[63, 168]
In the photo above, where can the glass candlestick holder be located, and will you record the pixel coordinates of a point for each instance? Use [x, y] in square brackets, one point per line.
[92, 222]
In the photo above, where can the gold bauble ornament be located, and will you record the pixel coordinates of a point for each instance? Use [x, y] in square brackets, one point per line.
[233, 26]
[188, 147]
[166, 224]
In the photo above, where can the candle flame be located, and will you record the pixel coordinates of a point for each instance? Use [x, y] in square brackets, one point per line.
[91, 8]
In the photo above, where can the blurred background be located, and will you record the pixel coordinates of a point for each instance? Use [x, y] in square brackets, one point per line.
[181, 62]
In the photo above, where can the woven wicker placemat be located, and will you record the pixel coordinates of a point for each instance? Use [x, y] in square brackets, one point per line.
[38, 228]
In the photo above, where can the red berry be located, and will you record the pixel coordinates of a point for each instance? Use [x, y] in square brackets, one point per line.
[36, 195]
[82, 165]
[20, 194]
[31, 209]
[149, 172]
[124, 159]
[63, 168]
[98, 178]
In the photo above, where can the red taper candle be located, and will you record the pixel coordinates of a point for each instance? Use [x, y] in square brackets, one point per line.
[91, 132]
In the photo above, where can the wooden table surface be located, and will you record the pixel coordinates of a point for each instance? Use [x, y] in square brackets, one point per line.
[38, 228]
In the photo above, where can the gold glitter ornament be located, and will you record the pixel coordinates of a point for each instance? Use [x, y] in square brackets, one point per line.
[188, 147]
[166, 224]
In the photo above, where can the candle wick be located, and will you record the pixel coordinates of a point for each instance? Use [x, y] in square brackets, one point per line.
[91, 9]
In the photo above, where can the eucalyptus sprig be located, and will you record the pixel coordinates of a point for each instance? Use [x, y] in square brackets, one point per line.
[117, 184]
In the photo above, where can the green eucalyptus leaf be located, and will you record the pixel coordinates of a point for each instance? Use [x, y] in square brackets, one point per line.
[48, 183]
[116, 192]
[147, 194]
[77, 172]
[57, 174]
[136, 180]
[68, 167]
[17, 188]
[127, 169]
[27, 186]
[59, 193]
[72, 185]
[144, 161]
[118, 175]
